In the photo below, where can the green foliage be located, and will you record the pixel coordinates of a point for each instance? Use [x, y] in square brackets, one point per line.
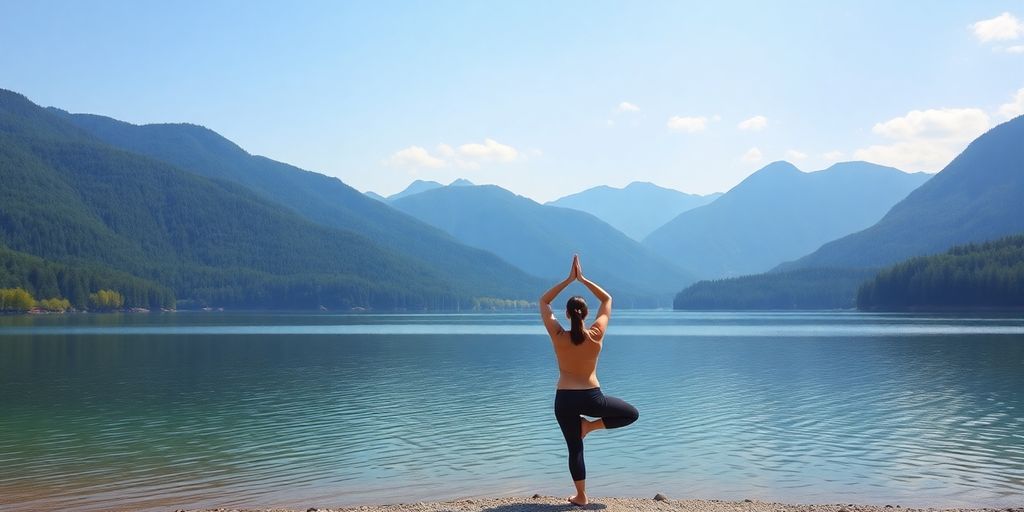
[815, 288]
[974, 276]
[321, 199]
[87, 207]
[75, 281]
[106, 300]
[15, 300]
[492, 303]
[56, 305]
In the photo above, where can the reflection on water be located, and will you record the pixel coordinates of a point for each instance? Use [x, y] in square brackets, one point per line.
[204, 410]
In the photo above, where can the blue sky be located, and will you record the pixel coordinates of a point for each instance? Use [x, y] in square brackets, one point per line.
[543, 98]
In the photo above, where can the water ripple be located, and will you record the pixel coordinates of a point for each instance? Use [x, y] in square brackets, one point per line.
[320, 410]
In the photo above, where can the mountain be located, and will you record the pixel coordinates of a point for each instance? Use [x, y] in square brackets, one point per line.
[415, 188]
[422, 186]
[373, 195]
[74, 282]
[979, 196]
[637, 209]
[67, 197]
[540, 240]
[779, 213]
[805, 288]
[988, 276]
[322, 199]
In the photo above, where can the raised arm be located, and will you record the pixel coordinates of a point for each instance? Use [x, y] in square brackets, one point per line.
[604, 312]
[546, 315]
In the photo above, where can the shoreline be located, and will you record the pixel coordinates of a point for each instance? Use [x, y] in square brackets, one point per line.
[538, 503]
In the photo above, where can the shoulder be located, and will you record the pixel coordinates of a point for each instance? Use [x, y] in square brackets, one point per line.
[596, 333]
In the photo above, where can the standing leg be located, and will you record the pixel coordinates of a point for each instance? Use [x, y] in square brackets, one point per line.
[570, 425]
[570, 422]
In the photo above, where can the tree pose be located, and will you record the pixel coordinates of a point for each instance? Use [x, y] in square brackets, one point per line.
[578, 392]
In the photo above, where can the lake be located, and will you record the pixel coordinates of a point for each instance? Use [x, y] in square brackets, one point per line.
[186, 410]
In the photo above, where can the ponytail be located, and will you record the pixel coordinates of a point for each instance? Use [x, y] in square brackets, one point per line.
[576, 309]
[576, 317]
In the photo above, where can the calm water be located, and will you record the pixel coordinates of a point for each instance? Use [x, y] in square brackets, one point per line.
[204, 410]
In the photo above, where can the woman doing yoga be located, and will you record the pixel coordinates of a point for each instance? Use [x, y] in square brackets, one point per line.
[578, 392]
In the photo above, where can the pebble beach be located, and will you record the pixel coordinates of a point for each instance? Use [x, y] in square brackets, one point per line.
[659, 503]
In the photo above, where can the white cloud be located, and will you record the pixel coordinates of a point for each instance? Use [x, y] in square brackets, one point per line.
[756, 123]
[687, 124]
[1001, 28]
[1015, 49]
[466, 156]
[490, 151]
[413, 157]
[833, 156]
[957, 124]
[752, 155]
[795, 155]
[921, 155]
[445, 150]
[626, 106]
[1013, 108]
[925, 139]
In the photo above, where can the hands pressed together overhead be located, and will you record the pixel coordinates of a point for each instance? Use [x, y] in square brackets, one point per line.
[576, 272]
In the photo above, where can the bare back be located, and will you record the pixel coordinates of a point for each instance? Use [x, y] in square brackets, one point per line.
[577, 364]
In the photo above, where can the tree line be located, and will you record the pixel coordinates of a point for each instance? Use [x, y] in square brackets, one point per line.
[812, 288]
[19, 300]
[79, 284]
[989, 275]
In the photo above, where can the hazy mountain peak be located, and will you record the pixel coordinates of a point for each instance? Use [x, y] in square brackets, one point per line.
[415, 187]
[976, 197]
[774, 175]
[462, 182]
[779, 213]
[537, 238]
[778, 166]
[856, 165]
[642, 185]
[636, 209]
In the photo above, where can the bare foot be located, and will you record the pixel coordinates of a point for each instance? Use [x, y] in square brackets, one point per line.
[586, 427]
[579, 502]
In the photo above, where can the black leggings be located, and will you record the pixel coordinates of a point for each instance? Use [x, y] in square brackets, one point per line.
[571, 403]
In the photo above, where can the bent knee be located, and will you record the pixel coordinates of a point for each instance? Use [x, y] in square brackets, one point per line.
[632, 415]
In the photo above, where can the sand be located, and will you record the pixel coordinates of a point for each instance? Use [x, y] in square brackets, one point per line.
[558, 504]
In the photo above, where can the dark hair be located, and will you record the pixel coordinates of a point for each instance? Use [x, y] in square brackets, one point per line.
[576, 308]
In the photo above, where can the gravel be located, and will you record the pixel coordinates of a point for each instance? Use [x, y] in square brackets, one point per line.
[539, 503]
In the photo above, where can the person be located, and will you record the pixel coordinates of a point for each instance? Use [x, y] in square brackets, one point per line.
[578, 392]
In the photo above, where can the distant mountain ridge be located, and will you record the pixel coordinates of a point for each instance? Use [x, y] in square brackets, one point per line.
[777, 214]
[66, 196]
[418, 186]
[322, 199]
[979, 196]
[415, 187]
[636, 209]
[539, 239]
